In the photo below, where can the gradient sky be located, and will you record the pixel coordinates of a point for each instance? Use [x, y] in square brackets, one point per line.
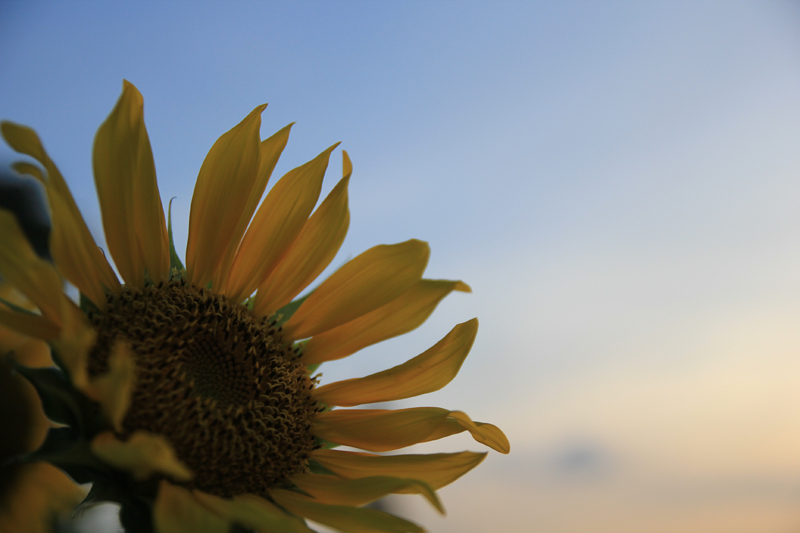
[617, 181]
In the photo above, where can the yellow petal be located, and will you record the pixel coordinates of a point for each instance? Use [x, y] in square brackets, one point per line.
[487, 434]
[143, 455]
[176, 510]
[369, 281]
[71, 244]
[220, 195]
[40, 494]
[270, 151]
[343, 518]
[357, 492]
[401, 315]
[276, 225]
[125, 176]
[437, 470]
[73, 344]
[379, 430]
[22, 268]
[76, 257]
[383, 430]
[253, 512]
[427, 372]
[23, 167]
[36, 326]
[314, 249]
[113, 389]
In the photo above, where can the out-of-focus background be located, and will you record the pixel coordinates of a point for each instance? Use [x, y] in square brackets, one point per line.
[619, 182]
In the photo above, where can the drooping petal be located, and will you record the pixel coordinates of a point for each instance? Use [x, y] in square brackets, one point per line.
[401, 315]
[487, 434]
[311, 253]
[176, 510]
[30, 274]
[125, 177]
[270, 151]
[437, 470]
[253, 512]
[275, 226]
[143, 455]
[71, 243]
[343, 518]
[220, 195]
[369, 281]
[427, 372]
[113, 389]
[383, 430]
[357, 492]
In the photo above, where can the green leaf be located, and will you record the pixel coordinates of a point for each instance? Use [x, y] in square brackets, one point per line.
[175, 265]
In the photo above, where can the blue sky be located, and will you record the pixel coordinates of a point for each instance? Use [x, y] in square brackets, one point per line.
[617, 181]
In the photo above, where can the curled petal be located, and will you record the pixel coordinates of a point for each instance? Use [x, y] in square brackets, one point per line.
[381, 430]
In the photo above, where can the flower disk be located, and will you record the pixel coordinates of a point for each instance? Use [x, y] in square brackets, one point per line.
[234, 401]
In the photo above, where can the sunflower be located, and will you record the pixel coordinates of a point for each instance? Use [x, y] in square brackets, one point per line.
[188, 395]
